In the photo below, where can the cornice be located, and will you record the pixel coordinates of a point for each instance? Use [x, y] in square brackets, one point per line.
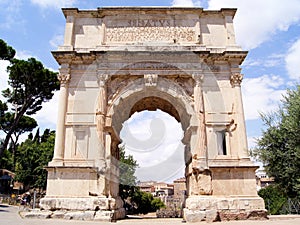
[74, 57]
[106, 11]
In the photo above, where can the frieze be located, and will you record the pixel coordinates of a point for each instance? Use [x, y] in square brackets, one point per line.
[150, 66]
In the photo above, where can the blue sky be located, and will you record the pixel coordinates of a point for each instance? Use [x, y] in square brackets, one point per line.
[269, 30]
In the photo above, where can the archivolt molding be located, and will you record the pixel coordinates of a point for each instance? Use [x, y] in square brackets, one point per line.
[120, 106]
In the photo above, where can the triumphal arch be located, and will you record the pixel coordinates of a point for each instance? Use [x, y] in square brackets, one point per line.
[120, 60]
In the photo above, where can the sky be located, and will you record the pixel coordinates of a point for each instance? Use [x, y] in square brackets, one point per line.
[269, 30]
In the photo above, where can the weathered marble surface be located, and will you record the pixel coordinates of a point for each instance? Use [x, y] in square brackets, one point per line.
[184, 61]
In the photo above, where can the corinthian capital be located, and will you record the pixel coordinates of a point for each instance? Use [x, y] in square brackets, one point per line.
[236, 79]
[198, 77]
[64, 75]
[102, 78]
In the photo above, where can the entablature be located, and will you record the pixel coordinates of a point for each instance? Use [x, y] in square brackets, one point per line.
[184, 56]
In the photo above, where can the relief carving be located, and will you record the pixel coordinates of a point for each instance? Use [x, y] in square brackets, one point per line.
[150, 80]
[116, 84]
[187, 83]
[201, 182]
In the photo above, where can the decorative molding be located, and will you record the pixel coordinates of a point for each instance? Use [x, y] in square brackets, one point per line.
[150, 80]
[236, 79]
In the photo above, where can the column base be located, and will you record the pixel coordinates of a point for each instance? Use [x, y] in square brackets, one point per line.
[212, 208]
[102, 208]
[56, 162]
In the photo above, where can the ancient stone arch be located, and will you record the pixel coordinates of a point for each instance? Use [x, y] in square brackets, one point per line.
[184, 61]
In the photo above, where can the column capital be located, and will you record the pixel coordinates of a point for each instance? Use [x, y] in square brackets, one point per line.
[102, 78]
[64, 75]
[236, 79]
[198, 77]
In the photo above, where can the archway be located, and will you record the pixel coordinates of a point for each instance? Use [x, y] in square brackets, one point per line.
[184, 61]
[138, 97]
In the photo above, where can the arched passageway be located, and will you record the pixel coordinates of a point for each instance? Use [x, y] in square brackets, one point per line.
[183, 61]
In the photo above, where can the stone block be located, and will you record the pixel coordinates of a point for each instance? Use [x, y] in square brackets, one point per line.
[102, 203]
[103, 216]
[86, 215]
[257, 215]
[37, 215]
[193, 216]
[58, 214]
[212, 216]
[223, 205]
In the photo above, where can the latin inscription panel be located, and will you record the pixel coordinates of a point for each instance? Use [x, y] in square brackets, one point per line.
[149, 30]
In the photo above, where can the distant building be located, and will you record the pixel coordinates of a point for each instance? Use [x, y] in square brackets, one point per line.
[157, 189]
[163, 189]
[262, 179]
[179, 188]
[173, 195]
[147, 186]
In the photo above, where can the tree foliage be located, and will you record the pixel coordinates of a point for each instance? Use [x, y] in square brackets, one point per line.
[274, 198]
[145, 202]
[279, 146]
[6, 51]
[30, 85]
[33, 155]
[26, 124]
[127, 179]
[134, 198]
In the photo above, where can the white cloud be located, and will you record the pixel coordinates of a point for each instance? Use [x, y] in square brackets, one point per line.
[257, 21]
[274, 60]
[261, 94]
[4, 76]
[47, 116]
[154, 140]
[57, 40]
[10, 15]
[186, 3]
[25, 55]
[57, 4]
[292, 60]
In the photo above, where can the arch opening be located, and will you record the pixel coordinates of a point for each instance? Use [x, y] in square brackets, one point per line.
[153, 138]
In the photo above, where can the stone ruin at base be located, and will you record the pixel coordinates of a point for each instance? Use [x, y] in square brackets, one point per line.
[121, 60]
